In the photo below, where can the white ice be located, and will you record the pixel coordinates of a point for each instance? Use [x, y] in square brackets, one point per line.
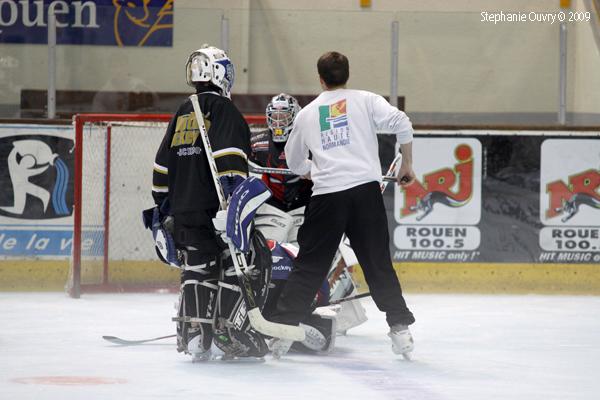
[468, 347]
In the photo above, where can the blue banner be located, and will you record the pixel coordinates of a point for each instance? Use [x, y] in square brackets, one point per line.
[89, 22]
[43, 242]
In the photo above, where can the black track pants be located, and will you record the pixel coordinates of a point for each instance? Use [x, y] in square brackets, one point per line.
[360, 213]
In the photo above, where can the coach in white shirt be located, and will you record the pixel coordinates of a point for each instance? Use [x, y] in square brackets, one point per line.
[339, 129]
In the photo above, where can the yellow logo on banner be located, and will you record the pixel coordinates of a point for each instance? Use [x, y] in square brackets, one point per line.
[137, 13]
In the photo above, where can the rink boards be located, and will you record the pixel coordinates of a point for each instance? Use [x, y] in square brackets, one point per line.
[491, 211]
[51, 275]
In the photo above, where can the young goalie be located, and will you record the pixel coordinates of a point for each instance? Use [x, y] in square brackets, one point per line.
[187, 201]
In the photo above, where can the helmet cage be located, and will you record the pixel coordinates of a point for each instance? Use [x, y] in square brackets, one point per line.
[211, 65]
[281, 112]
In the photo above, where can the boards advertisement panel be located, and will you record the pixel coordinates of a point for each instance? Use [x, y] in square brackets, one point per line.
[500, 196]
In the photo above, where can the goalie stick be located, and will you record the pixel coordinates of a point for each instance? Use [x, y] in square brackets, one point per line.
[257, 320]
[125, 342]
[136, 342]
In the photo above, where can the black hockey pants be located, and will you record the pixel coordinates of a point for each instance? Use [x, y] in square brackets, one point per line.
[195, 232]
[360, 213]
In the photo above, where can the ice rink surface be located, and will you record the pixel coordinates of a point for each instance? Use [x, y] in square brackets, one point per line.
[468, 347]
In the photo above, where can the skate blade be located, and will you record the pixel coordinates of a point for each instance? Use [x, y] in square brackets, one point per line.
[407, 356]
[202, 358]
[242, 360]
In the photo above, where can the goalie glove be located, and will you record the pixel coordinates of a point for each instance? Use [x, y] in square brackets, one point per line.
[162, 229]
[229, 183]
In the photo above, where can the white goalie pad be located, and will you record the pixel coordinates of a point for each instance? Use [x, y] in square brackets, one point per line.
[351, 315]
[273, 223]
[298, 218]
[347, 253]
[320, 331]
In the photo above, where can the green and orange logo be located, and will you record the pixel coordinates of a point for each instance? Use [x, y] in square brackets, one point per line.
[333, 116]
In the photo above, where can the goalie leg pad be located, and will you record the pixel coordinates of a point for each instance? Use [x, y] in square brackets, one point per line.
[259, 271]
[351, 315]
[231, 308]
[320, 334]
[273, 223]
[233, 333]
[341, 287]
[196, 312]
[298, 218]
[236, 343]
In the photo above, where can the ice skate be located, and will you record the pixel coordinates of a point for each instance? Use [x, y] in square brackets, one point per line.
[402, 340]
[279, 347]
[196, 349]
[202, 356]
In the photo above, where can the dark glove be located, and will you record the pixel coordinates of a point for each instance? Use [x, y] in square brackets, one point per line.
[229, 183]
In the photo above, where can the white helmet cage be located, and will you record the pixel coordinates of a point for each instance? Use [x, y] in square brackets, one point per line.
[210, 64]
[281, 112]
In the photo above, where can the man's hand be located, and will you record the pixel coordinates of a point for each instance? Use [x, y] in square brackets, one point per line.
[307, 176]
[406, 175]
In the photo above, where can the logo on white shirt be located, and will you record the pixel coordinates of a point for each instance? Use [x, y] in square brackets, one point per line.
[333, 121]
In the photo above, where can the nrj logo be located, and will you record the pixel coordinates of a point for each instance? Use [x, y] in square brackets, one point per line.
[39, 179]
[450, 187]
[136, 21]
[566, 198]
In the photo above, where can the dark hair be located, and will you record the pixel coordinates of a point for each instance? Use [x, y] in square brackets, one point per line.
[333, 68]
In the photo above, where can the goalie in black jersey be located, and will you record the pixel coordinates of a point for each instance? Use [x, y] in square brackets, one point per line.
[210, 305]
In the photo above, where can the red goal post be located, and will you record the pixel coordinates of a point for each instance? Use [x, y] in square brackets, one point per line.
[112, 251]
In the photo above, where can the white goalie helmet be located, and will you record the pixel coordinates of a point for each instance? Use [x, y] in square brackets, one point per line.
[210, 64]
[281, 112]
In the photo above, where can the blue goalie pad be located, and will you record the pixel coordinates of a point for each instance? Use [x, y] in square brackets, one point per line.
[245, 200]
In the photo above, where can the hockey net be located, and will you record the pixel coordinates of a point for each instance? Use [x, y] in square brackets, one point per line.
[112, 251]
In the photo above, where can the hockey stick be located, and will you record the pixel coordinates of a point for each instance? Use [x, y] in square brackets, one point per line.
[257, 169]
[390, 175]
[350, 298]
[125, 342]
[387, 179]
[283, 171]
[257, 320]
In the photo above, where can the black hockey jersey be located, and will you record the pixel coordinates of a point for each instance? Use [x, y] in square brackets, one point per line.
[181, 170]
[289, 191]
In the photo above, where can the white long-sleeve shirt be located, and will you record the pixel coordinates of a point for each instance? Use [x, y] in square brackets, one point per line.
[339, 128]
